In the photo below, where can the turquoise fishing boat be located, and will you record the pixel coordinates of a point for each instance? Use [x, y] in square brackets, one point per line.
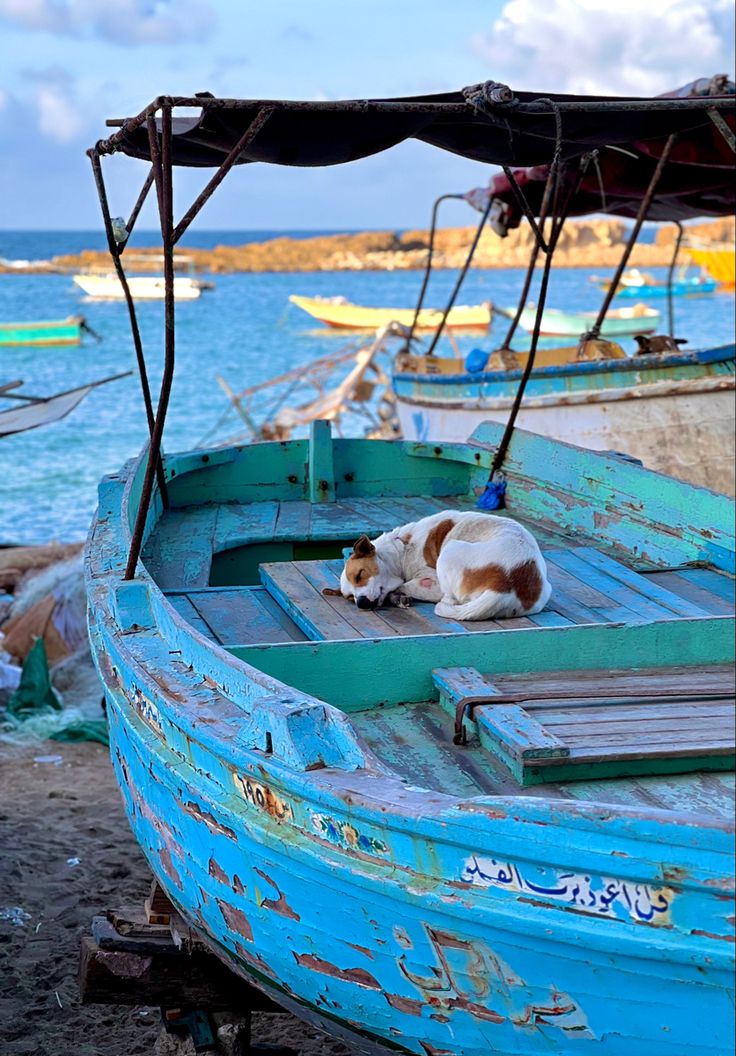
[52, 332]
[424, 836]
[620, 322]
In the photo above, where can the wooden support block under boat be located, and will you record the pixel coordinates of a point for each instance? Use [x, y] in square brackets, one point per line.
[127, 961]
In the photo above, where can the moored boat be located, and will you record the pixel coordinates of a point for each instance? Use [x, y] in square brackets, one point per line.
[50, 332]
[337, 312]
[107, 287]
[650, 406]
[636, 283]
[619, 322]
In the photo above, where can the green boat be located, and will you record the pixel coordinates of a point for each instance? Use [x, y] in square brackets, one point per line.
[50, 332]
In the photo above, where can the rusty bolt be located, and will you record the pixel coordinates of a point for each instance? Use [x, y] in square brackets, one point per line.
[349, 477]
[438, 450]
[292, 478]
[205, 458]
[323, 485]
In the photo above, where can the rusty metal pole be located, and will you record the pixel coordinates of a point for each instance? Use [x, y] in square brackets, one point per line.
[646, 202]
[670, 279]
[164, 185]
[428, 266]
[114, 250]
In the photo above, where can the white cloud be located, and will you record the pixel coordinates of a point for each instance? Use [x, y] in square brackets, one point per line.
[124, 22]
[626, 47]
[53, 102]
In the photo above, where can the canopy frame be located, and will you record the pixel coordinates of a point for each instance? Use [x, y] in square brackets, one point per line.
[485, 100]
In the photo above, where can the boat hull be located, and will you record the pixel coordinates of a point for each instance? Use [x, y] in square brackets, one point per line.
[346, 316]
[390, 956]
[142, 287]
[401, 918]
[673, 412]
[682, 288]
[621, 322]
[54, 332]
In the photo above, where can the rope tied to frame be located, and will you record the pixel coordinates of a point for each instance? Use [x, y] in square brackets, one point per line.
[489, 94]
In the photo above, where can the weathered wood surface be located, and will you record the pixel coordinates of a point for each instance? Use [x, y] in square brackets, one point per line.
[583, 719]
[588, 588]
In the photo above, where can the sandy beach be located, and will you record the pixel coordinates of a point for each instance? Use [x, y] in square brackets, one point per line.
[66, 853]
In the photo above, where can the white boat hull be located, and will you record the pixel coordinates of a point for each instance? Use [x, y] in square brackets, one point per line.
[682, 428]
[142, 287]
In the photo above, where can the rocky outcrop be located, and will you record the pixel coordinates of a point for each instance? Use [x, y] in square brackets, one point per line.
[583, 243]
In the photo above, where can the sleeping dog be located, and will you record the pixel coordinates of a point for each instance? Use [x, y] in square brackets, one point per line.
[473, 565]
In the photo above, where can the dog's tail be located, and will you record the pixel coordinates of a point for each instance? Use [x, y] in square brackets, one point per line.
[484, 606]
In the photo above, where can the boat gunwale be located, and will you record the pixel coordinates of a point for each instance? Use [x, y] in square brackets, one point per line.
[691, 357]
[643, 391]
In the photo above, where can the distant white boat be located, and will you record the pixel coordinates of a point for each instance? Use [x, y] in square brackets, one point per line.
[142, 287]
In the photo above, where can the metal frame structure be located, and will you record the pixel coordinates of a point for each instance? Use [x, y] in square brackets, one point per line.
[485, 99]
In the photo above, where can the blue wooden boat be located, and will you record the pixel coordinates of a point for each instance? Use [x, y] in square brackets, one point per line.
[288, 766]
[636, 284]
[425, 836]
[650, 406]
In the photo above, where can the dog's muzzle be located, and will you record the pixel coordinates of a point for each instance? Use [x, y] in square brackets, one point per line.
[365, 603]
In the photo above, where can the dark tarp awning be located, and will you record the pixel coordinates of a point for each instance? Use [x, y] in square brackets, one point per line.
[698, 180]
[470, 123]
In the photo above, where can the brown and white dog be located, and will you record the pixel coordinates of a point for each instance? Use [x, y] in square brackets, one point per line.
[473, 565]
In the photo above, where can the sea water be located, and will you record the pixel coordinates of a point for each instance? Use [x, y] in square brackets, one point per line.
[243, 330]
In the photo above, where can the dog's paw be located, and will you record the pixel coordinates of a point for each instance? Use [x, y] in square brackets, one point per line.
[399, 600]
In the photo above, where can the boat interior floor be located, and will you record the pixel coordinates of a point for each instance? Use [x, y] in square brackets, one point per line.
[250, 577]
[417, 742]
[254, 574]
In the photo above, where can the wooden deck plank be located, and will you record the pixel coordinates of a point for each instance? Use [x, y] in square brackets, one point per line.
[632, 604]
[711, 679]
[294, 520]
[369, 623]
[641, 584]
[706, 599]
[678, 715]
[236, 617]
[183, 605]
[718, 583]
[309, 610]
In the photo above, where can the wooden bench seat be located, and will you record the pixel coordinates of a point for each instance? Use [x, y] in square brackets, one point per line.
[590, 724]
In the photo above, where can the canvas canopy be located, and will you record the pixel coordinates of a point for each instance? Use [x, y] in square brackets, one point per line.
[486, 123]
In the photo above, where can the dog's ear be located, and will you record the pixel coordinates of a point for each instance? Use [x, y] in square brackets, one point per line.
[363, 547]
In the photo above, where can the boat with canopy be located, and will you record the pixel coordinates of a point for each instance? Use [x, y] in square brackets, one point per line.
[651, 405]
[424, 836]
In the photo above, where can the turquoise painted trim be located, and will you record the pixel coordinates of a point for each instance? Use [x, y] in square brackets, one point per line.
[354, 675]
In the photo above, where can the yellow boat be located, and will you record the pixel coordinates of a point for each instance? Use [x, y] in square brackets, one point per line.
[338, 312]
[719, 261]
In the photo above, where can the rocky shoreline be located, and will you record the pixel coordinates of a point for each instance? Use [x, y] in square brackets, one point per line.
[584, 243]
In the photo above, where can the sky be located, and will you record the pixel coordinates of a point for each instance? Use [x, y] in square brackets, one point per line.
[70, 64]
